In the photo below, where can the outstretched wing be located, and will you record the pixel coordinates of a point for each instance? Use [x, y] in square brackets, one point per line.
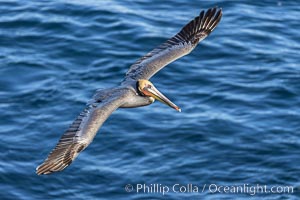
[80, 134]
[179, 45]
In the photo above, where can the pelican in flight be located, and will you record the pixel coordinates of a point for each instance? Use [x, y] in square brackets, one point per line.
[134, 91]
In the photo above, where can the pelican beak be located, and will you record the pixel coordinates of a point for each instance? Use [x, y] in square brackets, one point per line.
[153, 92]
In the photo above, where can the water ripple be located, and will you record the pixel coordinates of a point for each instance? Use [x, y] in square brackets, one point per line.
[238, 92]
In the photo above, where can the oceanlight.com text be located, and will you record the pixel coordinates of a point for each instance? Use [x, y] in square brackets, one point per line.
[249, 189]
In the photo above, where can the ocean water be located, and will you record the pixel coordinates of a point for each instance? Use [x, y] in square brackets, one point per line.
[238, 90]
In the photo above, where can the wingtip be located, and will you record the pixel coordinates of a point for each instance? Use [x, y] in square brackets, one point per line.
[37, 170]
[220, 11]
[49, 168]
[40, 170]
[211, 19]
[201, 26]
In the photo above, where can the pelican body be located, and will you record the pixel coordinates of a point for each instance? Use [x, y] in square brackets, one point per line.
[134, 91]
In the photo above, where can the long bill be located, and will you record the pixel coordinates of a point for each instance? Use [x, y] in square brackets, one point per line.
[153, 92]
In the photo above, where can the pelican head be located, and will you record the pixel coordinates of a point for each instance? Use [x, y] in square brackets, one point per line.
[146, 88]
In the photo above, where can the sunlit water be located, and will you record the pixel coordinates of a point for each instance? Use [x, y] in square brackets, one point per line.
[238, 90]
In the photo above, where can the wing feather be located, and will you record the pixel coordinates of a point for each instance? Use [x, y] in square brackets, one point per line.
[179, 45]
[80, 134]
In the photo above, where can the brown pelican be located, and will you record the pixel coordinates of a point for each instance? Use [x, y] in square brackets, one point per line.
[134, 91]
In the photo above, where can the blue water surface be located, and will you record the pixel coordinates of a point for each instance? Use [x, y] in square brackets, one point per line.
[238, 90]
